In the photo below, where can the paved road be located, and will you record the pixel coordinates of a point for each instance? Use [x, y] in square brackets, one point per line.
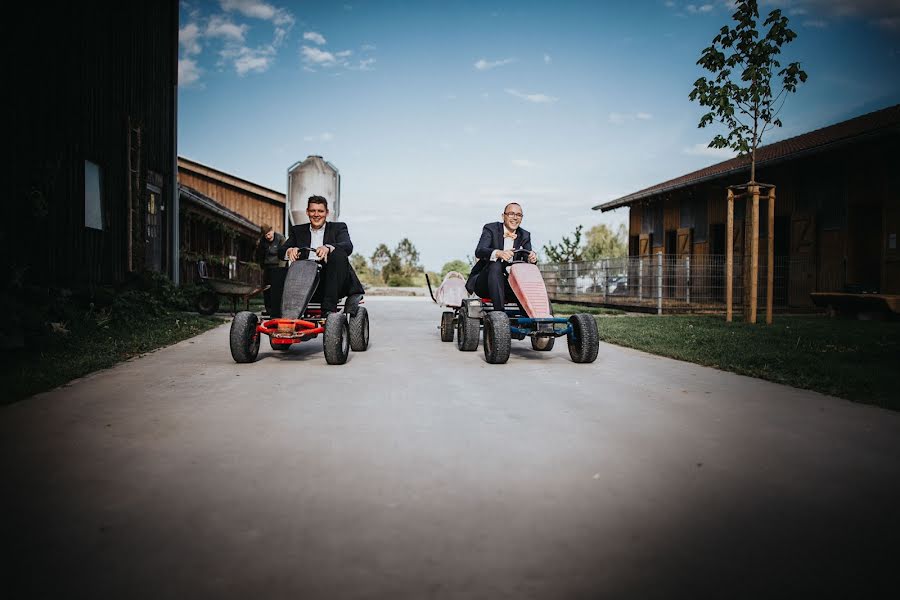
[418, 471]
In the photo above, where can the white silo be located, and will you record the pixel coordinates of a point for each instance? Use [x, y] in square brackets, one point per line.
[312, 177]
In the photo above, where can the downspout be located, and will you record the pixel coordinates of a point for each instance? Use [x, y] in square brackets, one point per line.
[176, 200]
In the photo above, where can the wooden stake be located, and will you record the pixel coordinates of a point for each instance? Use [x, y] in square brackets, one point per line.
[754, 253]
[729, 259]
[770, 269]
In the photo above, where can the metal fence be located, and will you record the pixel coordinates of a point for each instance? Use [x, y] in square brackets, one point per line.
[230, 268]
[664, 282]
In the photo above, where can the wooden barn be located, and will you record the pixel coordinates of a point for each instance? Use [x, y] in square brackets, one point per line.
[93, 121]
[221, 217]
[836, 217]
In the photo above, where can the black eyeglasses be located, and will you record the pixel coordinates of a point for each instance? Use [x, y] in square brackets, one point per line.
[512, 214]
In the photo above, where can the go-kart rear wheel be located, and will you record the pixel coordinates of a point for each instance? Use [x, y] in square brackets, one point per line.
[278, 347]
[207, 302]
[584, 339]
[542, 344]
[497, 337]
[243, 338]
[359, 330]
[337, 339]
[467, 331]
[447, 326]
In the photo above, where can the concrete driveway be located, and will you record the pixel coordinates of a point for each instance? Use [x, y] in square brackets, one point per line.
[418, 471]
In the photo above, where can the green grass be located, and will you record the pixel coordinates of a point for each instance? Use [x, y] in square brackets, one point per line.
[51, 360]
[571, 309]
[856, 360]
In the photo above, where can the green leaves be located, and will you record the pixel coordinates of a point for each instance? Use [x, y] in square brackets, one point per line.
[740, 93]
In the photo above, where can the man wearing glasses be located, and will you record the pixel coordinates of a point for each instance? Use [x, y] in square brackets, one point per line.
[495, 252]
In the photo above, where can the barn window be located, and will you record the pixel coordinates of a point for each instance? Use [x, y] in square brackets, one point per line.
[93, 198]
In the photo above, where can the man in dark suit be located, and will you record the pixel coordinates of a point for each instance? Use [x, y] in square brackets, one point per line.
[495, 252]
[333, 247]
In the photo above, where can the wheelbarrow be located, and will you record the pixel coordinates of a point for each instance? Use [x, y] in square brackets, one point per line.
[208, 300]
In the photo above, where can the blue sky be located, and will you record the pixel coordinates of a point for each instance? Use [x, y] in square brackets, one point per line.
[438, 113]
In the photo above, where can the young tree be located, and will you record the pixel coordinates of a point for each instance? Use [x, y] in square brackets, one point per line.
[745, 66]
[409, 257]
[380, 258]
[359, 264]
[569, 250]
[603, 243]
[460, 266]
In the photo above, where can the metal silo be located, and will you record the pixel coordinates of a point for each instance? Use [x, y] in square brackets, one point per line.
[312, 177]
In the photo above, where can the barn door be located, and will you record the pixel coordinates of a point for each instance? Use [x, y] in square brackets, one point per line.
[802, 273]
[153, 229]
[684, 247]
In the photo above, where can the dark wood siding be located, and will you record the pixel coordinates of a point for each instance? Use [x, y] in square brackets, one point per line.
[92, 69]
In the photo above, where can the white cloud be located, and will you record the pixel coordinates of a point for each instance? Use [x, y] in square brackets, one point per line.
[343, 53]
[365, 64]
[670, 4]
[188, 72]
[547, 59]
[325, 136]
[617, 118]
[315, 56]
[704, 150]
[258, 10]
[314, 37]
[368, 47]
[249, 60]
[523, 163]
[815, 23]
[694, 9]
[536, 98]
[188, 38]
[221, 27]
[484, 65]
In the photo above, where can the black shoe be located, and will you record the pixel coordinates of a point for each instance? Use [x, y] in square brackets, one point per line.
[351, 304]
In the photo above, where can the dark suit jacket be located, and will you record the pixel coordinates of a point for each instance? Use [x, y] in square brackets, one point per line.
[492, 239]
[336, 235]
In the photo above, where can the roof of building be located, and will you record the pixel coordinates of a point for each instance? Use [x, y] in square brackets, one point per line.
[192, 195]
[227, 179]
[802, 145]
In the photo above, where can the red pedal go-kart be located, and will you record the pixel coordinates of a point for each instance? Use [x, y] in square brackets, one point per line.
[301, 320]
[470, 315]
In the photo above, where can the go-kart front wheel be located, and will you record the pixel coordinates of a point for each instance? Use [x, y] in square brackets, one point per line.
[359, 330]
[278, 347]
[447, 326]
[497, 337]
[542, 344]
[337, 339]
[243, 338]
[584, 339]
[467, 330]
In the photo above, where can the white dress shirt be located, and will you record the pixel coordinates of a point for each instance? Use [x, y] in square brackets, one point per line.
[316, 239]
[508, 244]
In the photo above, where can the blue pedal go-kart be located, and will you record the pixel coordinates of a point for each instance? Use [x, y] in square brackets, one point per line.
[531, 317]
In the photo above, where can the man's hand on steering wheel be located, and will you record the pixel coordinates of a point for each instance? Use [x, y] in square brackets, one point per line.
[293, 254]
[505, 255]
[322, 252]
[532, 257]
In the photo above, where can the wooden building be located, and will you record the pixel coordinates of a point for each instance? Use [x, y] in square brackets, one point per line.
[837, 211]
[220, 237]
[257, 203]
[93, 136]
[221, 219]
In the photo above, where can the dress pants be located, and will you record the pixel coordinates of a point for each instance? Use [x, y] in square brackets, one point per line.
[334, 280]
[491, 283]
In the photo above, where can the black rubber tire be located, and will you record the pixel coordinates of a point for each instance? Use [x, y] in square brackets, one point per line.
[243, 338]
[497, 337]
[278, 347]
[359, 330]
[584, 339]
[207, 302]
[337, 339]
[542, 344]
[467, 331]
[447, 326]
